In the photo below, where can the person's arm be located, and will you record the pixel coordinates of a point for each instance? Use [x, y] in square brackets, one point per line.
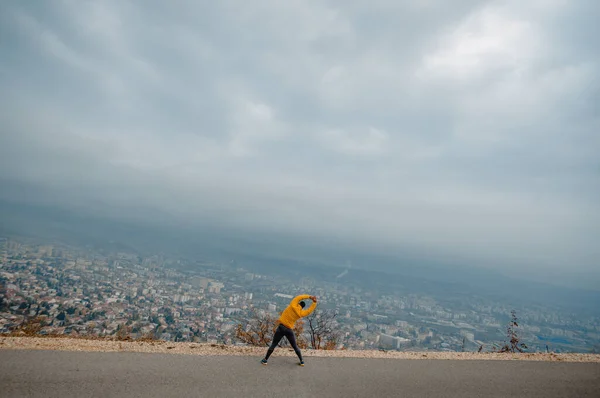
[310, 309]
[295, 304]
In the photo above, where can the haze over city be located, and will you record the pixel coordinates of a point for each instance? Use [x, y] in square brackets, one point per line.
[455, 135]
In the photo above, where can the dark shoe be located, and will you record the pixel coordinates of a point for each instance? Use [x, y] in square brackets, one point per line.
[301, 363]
[263, 361]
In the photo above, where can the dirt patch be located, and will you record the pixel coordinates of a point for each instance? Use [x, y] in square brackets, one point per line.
[69, 344]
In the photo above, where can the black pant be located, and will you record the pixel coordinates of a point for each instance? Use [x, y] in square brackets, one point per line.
[279, 334]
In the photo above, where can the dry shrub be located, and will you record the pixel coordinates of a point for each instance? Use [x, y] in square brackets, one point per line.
[260, 329]
[322, 330]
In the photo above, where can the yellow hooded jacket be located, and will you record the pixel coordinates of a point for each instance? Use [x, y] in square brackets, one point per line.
[294, 311]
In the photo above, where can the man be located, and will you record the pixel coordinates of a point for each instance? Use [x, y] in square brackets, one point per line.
[287, 321]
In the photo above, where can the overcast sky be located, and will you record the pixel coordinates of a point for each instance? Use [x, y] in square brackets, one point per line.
[466, 127]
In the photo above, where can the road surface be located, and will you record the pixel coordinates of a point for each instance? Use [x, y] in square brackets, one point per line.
[93, 374]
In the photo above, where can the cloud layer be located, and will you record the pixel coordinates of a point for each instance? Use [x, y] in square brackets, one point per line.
[466, 127]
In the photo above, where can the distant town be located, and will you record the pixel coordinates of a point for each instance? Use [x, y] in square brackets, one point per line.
[81, 291]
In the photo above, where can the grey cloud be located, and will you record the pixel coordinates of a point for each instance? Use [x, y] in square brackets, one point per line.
[457, 127]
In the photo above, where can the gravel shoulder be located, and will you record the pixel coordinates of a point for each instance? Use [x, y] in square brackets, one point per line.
[70, 344]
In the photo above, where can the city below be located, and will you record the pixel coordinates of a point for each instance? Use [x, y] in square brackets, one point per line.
[85, 291]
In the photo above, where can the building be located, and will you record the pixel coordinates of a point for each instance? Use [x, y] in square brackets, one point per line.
[391, 342]
[215, 287]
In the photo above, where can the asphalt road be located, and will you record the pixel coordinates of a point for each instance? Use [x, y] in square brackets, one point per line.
[89, 374]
